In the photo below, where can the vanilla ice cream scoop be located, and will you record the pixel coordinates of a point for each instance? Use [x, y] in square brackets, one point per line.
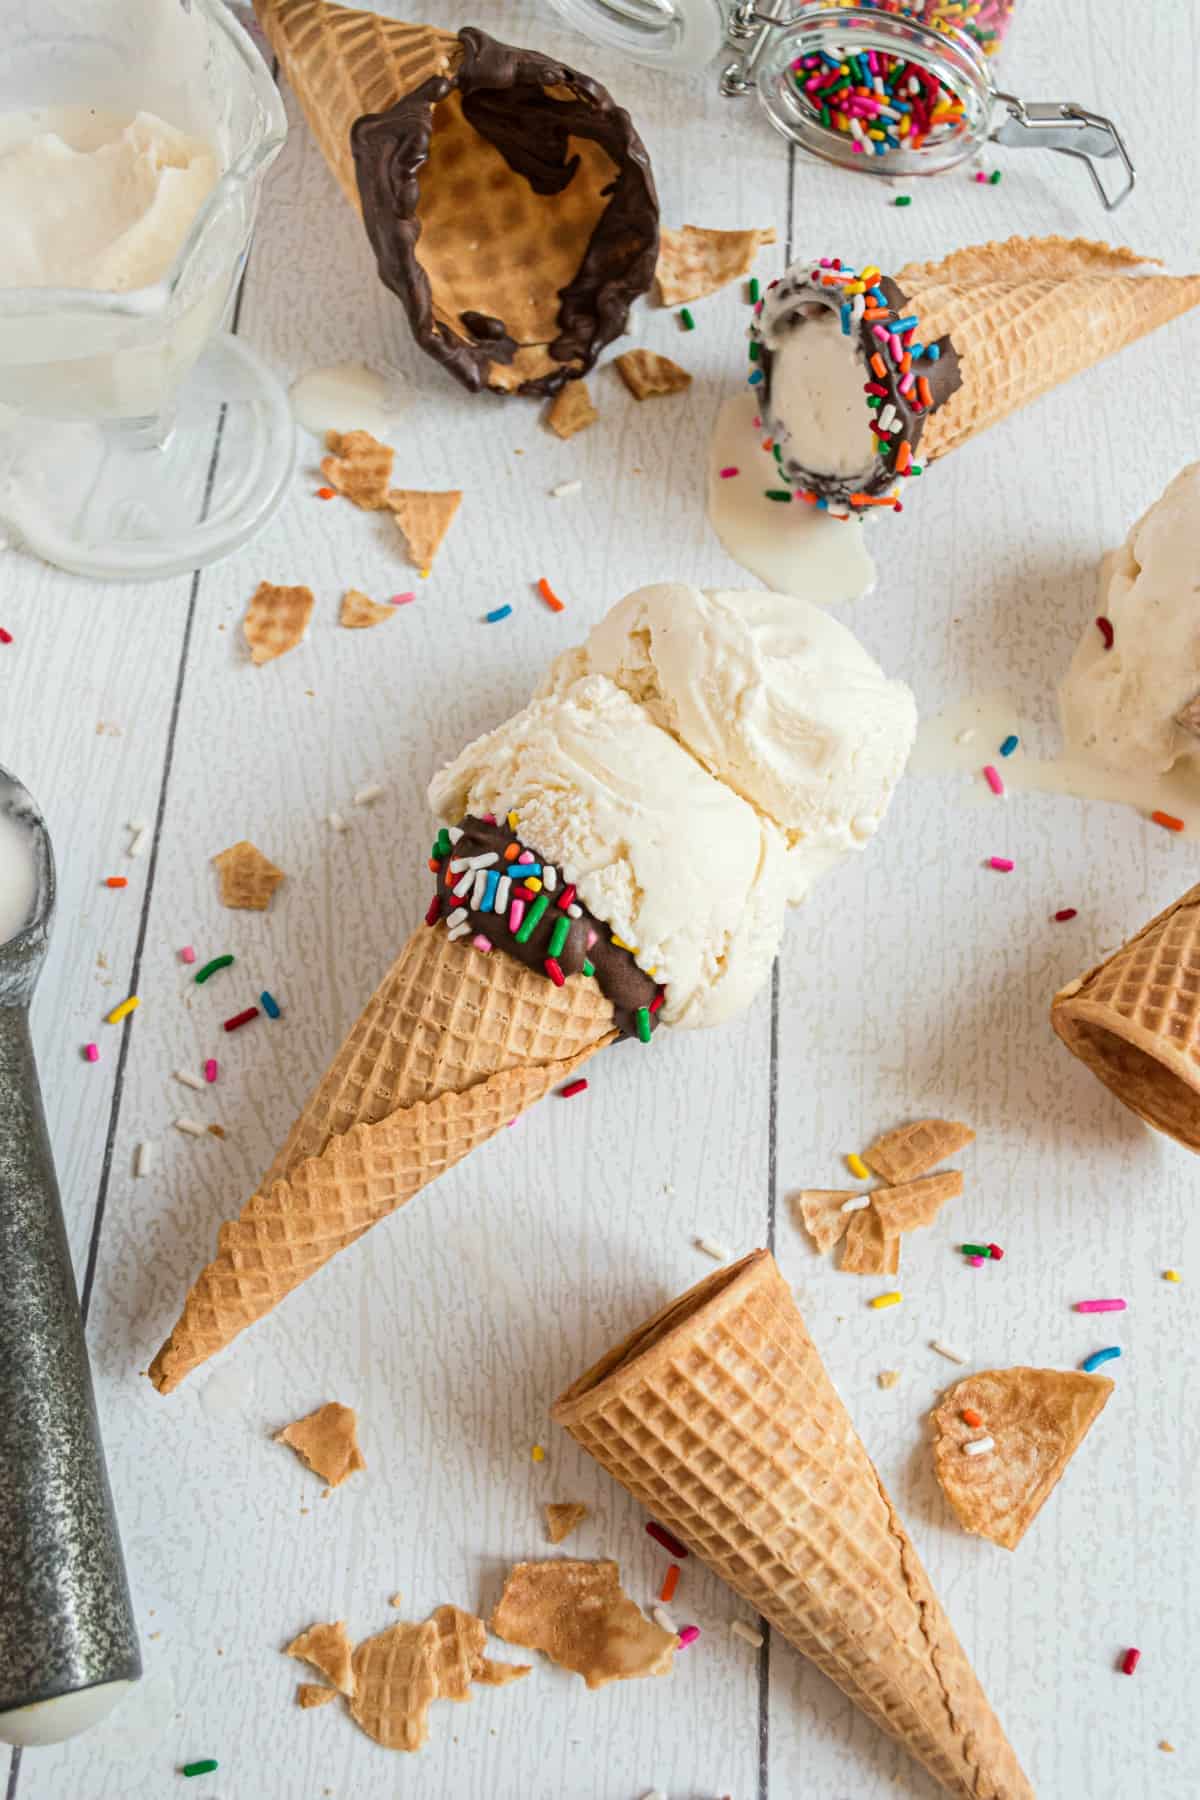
[1135, 708]
[691, 769]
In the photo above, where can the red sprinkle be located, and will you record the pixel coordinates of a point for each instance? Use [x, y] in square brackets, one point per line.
[1130, 1661]
[549, 596]
[1104, 627]
[572, 1088]
[553, 969]
[670, 1583]
[728, 474]
[5, 636]
[434, 912]
[115, 881]
[242, 1018]
[567, 897]
[1064, 913]
[1168, 821]
[997, 1252]
[324, 493]
[971, 1417]
[662, 1536]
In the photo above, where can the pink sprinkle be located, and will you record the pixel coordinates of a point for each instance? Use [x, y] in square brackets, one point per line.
[516, 913]
[482, 943]
[688, 1635]
[992, 777]
[591, 936]
[92, 1052]
[187, 954]
[211, 1071]
[728, 474]
[1094, 1306]
[981, 176]
[896, 347]
[908, 383]
[881, 332]
[827, 262]
[489, 818]
[1005, 864]
[758, 416]
[976, 1262]
[526, 856]
[402, 599]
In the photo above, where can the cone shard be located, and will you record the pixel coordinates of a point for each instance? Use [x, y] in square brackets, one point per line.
[719, 1417]
[451, 1047]
[1026, 315]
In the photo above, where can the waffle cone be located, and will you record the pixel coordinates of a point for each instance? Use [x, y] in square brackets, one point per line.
[1028, 314]
[451, 1047]
[537, 247]
[1135, 1021]
[719, 1417]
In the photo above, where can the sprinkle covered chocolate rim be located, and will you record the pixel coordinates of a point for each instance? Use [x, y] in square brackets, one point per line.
[503, 895]
[905, 379]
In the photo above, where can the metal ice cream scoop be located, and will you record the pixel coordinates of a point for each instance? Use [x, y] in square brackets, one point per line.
[68, 1646]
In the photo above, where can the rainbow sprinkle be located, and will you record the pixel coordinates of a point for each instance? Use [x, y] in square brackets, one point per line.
[123, 1011]
[1098, 1358]
[992, 776]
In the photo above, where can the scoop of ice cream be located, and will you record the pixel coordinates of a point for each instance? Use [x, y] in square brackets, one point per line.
[683, 870]
[817, 379]
[774, 697]
[1121, 707]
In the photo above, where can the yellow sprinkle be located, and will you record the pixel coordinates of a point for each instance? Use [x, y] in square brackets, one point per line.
[123, 1011]
[886, 1300]
[537, 1453]
[654, 971]
[1169, 1748]
[854, 287]
[512, 821]
[858, 1167]
[622, 945]
[870, 275]
[533, 884]
[1172, 1275]
[425, 574]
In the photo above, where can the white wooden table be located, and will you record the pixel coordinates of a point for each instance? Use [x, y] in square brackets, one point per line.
[915, 981]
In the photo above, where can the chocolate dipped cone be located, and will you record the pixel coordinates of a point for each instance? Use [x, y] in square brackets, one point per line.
[452, 1046]
[719, 1417]
[508, 200]
[1026, 315]
[1135, 1021]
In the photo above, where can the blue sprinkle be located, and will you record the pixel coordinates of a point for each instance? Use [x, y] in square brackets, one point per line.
[933, 353]
[1010, 743]
[500, 612]
[915, 350]
[822, 506]
[878, 296]
[523, 869]
[270, 1004]
[909, 324]
[1098, 1357]
[756, 376]
[489, 890]
[845, 318]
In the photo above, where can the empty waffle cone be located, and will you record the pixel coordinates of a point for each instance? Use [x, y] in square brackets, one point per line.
[452, 1046]
[508, 200]
[1135, 1021]
[1026, 315]
[719, 1417]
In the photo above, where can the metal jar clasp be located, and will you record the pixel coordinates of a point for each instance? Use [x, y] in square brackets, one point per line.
[1071, 130]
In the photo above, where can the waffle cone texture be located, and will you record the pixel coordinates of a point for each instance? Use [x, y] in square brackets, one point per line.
[718, 1416]
[453, 1045]
[1026, 315]
[1135, 1021]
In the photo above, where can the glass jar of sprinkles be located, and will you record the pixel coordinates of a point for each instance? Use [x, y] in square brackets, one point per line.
[887, 87]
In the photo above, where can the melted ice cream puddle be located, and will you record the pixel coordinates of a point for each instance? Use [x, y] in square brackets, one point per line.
[346, 396]
[18, 871]
[794, 548]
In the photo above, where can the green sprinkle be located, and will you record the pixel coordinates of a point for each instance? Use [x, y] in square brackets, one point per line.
[686, 319]
[777, 453]
[976, 1249]
[558, 936]
[643, 1023]
[754, 290]
[994, 178]
[754, 351]
[207, 1767]
[917, 469]
[903, 200]
[874, 402]
[533, 918]
[218, 962]
[778, 493]
[443, 846]
[589, 968]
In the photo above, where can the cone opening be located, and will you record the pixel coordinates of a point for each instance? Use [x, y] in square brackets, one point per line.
[1149, 1086]
[512, 210]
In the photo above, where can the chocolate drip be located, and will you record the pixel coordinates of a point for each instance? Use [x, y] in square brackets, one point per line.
[505, 99]
[627, 987]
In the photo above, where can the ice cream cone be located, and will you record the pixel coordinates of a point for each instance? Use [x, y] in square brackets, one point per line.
[720, 1418]
[1135, 1021]
[509, 202]
[452, 1046]
[1028, 314]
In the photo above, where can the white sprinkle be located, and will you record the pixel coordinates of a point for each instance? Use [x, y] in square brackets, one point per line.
[858, 308]
[460, 888]
[549, 877]
[738, 1628]
[486, 860]
[479, 889]
[662, 1617]
[503, 890]
[574, 912]
[192, 1081]
[948, 1351]
[138, 845]
[456, 917]
[365, 795]
[459, 863]
[135, 825]
[460, 930]
[143, 1161]
[337, 821]
[710, 1247]
[565, 489]
[858, 1204]
[979, 1446]
[887, 418]
[964, 737]
[454, 833]
[190, 1126]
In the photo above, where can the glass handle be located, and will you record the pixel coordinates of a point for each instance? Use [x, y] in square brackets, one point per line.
[1072, 131]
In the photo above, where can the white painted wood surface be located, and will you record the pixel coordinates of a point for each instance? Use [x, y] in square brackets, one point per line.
[914, 981]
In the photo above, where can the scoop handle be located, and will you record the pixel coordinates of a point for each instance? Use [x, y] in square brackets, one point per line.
[66, 1618]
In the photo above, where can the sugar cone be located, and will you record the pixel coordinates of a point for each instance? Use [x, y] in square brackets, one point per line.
[1135, 1021]
[719, 1417]
[451, 1047]
[1028, 314]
